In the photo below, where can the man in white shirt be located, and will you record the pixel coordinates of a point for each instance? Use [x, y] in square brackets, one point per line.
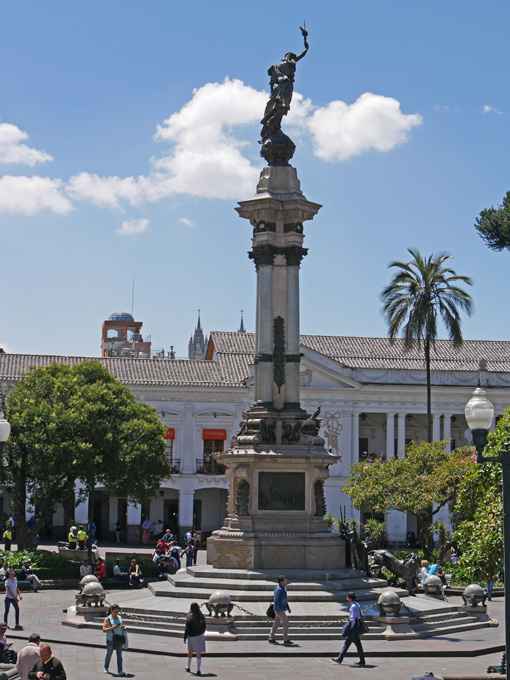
[28, 656]
[353, 632]
[12, 596]
[4, 571]
[187, 537]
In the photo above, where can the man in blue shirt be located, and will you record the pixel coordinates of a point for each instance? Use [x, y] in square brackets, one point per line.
[354, 631]
[281, 607]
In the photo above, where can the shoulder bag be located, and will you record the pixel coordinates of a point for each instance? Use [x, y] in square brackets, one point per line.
[270, 612]
[117, 639]
[363, 625]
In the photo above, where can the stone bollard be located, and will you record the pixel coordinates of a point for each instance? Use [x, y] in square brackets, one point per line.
[219, 626]
[433, 587]
[397, 627]
[389, 603]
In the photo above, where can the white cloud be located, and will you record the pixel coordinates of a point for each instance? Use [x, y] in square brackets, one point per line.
[12, 151]
[373, 122]
[106, 191]
[31, 195]
[491, 109]
[134, 227]
[186, 222]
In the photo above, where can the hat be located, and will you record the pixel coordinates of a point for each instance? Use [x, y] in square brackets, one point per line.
[26, 560]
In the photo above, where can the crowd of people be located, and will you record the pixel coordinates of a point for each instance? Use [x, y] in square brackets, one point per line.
[168, 555]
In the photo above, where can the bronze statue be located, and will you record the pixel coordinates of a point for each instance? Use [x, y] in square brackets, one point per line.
[282, 89]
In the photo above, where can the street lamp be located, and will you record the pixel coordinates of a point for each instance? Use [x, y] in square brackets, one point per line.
[479, 414]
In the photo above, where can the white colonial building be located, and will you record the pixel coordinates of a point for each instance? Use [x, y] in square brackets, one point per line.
[372, 395]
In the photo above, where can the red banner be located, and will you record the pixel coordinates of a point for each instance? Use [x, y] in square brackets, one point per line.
[170, 433]
[214, 434]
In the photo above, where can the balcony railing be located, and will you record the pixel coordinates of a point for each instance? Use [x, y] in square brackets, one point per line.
[209, 467]
[175, 464]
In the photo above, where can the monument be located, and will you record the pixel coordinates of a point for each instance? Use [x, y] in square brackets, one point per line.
[277, 464]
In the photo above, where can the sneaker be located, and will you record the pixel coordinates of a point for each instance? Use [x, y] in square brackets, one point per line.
[336, 659]
[360, 663]
[272, 641]
[288, 642]
[106, 670]
[121, 674]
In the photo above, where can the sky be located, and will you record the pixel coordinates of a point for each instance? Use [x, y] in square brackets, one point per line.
[129, 131]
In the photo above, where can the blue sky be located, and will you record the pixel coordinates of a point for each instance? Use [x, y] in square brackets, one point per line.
[128, 132]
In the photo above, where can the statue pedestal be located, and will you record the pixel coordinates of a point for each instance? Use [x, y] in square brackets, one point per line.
[78, 616]
[397, 627]
[219, 628]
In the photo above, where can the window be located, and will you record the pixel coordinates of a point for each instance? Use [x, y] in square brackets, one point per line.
[169, 451]
[212, 446]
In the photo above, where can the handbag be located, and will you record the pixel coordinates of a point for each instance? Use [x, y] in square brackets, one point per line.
[117, 639]
[126, 643]
[363, 625]
[270, 612]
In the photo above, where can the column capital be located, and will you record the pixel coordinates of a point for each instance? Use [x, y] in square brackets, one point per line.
[391, 414]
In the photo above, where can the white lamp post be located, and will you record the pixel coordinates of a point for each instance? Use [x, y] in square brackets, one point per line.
[479, 414]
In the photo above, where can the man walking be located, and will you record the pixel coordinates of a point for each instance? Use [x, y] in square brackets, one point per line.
[281, 607]
[353, 631]
[28, 656]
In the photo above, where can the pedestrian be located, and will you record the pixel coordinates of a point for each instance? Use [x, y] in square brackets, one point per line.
[47, 667]
[85, 569]
[72, 538]
[194, 634]
[281, 607]
[4, 572]
[118, 529]
[28, 656]
[82, 537]
[29, 575]
[490, 578]
[7, 536]
[146, 531]
[352, 631]
[189, 551]
[114, 629]
[12, 596]
[195, 545]
[7, 655]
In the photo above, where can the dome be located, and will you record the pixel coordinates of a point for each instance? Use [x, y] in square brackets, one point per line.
[121, 316]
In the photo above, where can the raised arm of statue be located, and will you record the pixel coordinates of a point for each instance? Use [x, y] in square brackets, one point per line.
[305, 35]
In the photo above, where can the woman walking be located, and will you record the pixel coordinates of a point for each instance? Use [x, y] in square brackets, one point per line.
[353, 631]
[114, 629]
[194, 634]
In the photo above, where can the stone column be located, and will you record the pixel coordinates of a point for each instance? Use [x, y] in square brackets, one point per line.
[397, 521]
[355, 437]
[401, 433]
[81, 511]
[188, 452]
[134, 523]
[447, 425]
[185, 511]
[293, 358]
[390, 435]
[264, 335]
[436, 427]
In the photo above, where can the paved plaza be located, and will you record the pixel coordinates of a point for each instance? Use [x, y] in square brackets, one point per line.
[82, 651]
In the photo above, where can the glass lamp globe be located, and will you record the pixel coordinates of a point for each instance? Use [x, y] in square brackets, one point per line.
[479, 411]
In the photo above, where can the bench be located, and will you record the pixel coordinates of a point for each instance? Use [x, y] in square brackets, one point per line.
[111, 582]
[22, 583]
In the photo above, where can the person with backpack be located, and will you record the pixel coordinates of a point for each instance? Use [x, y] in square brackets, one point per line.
[351, 631]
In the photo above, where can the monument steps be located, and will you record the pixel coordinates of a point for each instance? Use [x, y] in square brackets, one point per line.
[259, 585]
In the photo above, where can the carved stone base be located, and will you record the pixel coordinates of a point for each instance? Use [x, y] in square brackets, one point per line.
[220, 628]
[78, 616]
[397, 627]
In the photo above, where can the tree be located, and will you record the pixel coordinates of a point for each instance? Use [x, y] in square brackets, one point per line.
[422, 291]
[78, 423]
[479, 510]
[493, 225]
[421, 483]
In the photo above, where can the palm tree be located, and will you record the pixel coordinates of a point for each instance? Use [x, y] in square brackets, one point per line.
[420, 292]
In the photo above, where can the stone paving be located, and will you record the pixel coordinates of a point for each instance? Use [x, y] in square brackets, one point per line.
[82, 651]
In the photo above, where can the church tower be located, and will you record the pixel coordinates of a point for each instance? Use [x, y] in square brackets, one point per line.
[197, 343]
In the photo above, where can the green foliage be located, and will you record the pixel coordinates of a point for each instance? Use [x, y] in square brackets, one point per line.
[79, 423]
[376, 529]
[479, 510]
[421, 483]
[39, 559]
[423, 290]
[330, 518]
[493, 225]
